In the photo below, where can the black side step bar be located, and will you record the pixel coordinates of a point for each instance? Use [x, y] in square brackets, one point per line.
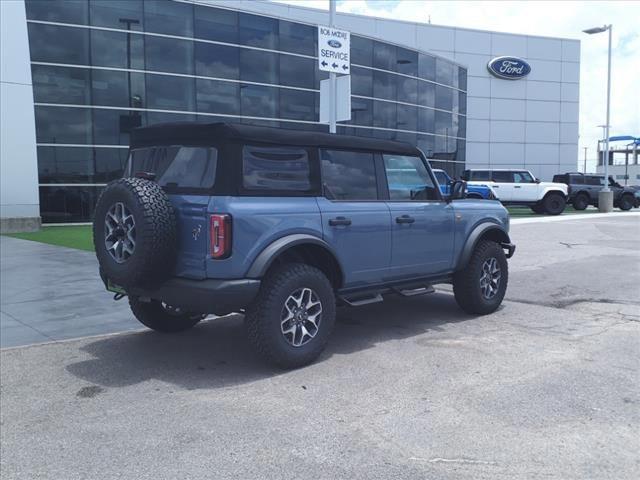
[362, 299]
[410, 291]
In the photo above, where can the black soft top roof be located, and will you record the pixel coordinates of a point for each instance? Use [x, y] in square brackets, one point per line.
[194, 133]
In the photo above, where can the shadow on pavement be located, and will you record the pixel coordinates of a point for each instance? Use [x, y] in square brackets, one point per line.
[216, 354]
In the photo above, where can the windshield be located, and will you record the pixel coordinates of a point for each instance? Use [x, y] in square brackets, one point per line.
[175, 166]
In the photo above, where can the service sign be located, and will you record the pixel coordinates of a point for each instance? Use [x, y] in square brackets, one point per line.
[509, 68]
[333, 50]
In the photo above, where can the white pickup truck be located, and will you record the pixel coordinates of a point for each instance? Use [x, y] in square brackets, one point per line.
[520, 187]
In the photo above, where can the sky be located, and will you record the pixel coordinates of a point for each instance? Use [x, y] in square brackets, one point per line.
[564, 19]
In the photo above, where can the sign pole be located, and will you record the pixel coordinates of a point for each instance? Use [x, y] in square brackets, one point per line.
[332, 76]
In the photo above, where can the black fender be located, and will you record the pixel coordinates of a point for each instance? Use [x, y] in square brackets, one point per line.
[493, 231]
[264, 260]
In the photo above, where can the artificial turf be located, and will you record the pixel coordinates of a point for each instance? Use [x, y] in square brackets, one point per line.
[73, 236]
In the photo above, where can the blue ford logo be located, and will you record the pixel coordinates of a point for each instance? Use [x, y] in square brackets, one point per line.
[510, 68]
[334, 43]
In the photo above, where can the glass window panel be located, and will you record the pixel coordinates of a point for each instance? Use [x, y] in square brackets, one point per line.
[276, 168]
[169, 55]
[426, 94]
[409, 179]
[61, 85]
[256, 66]
[218, 97]
[298, 38]
[361, 51]
[112, 88]
[125, 14]
[162, 117]
[51, 43]
[405, 137]
[444, 71]
[407, 89]
[384, 56]
[216, 24]
[462, 102]
[109, 164]
[109, 49]
[462, 78]
[384, 85]
[170, 93]
[407, 117]
[462, 126]
[64, 11]
[320, 75]
[112, 127]
[63, 125]
[297, 71]
[259, 101]
[172, 18]
[258, 31]
[361, 81]
[407, 61]
[348, 175]
[502, 176]
[426, 120]
[298, 105]
[361, 111]
[384, 114]
[444, 98]
[426, 66]
[218, 61]
[65, 165]
[426, 144]
[68, 204]
[443, 123]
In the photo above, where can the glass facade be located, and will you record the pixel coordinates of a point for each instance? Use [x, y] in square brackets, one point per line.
[103, 67]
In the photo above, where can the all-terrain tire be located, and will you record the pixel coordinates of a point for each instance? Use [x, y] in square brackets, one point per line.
[581, 201]
[554, 203]
[153, 257]
[264, 316]
[626, 202]
[537, 208]
[467, 282]
[162, 318]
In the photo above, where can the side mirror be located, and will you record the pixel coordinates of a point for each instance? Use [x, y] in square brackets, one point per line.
[537, 180]
[458, 190]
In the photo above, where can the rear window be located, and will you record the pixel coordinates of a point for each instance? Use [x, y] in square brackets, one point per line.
[275, 168]
[176, 166]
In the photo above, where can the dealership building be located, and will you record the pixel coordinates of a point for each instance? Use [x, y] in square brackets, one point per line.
[78, 75]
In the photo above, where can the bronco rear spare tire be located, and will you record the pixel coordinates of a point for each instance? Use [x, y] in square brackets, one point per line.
[134, 233]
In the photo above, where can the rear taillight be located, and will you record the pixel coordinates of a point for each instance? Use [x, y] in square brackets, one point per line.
[220, 235]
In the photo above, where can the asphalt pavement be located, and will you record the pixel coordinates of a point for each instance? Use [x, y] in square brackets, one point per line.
[546, 387]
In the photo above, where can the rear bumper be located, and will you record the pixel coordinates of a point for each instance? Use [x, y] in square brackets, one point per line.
[203, 296]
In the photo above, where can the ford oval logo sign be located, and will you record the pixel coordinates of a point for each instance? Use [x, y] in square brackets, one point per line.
[334, 43]
[510, 68]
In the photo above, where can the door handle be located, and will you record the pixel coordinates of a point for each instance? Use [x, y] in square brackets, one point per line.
[517, 186]
[495, 186]
[405, 219]
[334, 222]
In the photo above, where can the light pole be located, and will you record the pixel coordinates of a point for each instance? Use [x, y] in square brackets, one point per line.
[584, 170]
[605, 196]
[332, 76]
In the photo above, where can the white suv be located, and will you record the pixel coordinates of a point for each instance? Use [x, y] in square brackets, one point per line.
[520, 187]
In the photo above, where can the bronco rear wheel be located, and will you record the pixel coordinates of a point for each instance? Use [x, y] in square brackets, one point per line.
[291, 320]
[626, 202]
[134, 232]
[161, 317]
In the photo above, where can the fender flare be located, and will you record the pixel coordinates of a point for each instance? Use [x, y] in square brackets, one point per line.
[266, 257]
[474, 238]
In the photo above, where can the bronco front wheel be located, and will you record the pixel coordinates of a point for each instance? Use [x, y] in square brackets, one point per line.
[290, 321]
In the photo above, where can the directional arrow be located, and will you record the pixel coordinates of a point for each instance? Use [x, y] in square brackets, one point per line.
[324, 64]
[344, 67]
[334, 65]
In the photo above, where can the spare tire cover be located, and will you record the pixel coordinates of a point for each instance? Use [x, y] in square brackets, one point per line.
[134, 233]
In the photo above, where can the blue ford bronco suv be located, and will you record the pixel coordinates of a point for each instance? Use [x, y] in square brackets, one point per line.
[282, 226]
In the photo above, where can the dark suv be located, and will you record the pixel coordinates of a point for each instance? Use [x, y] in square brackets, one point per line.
[282, 225]
[584, 188]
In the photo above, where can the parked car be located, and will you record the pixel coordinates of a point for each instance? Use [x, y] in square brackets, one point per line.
[583, 190]
[483, 192]
[520, 187]
[282, 224]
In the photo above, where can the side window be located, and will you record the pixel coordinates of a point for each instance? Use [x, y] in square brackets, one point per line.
[502, 177]
[348, 175]
[479, 175]
[594, 180]
[576, 179]
[523, 177]
[275, 168]
[408, 178]
[442, 178]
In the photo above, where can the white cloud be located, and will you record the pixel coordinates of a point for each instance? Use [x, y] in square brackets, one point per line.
[564, 19]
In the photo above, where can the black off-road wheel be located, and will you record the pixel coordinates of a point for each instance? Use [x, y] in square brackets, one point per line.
[626, 202]
[161, 317]
[290, 321]
[134, 233]
[480, 287]
[554, 203]
[580, 202]
[537, 208]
